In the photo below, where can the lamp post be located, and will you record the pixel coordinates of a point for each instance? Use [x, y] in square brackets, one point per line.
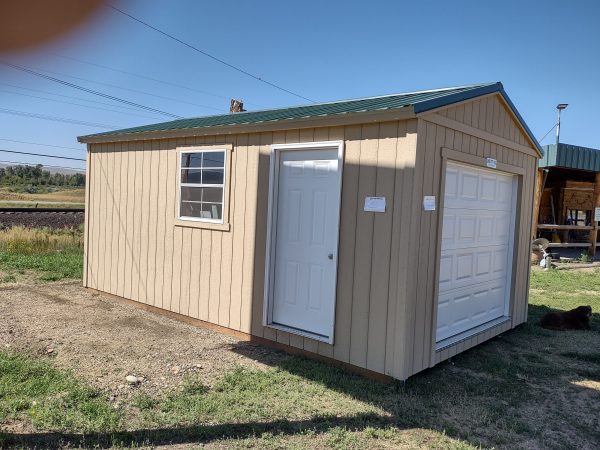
[559, 108]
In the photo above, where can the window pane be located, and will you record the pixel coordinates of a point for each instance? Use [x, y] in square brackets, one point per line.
[191, 193]
[212, 195]
[191, 159]
[212, 176]
[191, 209]
[214, 159]
[191, 176]
[211, 210]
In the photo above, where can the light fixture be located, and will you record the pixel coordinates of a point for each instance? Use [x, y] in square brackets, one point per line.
[559, 107]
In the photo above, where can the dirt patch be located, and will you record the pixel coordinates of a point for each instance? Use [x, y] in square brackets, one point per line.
[102, 341]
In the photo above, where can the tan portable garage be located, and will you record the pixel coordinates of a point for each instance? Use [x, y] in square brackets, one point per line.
[388, 233]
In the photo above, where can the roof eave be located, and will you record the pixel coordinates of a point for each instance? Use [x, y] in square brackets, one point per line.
[403, 113]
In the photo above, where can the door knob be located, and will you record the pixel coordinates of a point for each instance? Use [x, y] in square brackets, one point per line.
[330, 256]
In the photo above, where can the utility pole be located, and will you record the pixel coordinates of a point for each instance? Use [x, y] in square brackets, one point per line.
[559, 108]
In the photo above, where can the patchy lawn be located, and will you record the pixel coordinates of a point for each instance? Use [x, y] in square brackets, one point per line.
[64, 347]
[40, 254]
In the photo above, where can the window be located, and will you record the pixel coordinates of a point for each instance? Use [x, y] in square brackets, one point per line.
[202, 185]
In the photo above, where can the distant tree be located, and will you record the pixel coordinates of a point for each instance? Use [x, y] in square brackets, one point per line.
[37, 176]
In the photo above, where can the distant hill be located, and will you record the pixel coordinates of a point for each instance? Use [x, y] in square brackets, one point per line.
[50, 169]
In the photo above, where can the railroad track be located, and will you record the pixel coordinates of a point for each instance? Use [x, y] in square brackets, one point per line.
[42, 210]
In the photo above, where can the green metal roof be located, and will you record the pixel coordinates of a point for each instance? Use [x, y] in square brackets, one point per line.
[571, 156]
[421, 101]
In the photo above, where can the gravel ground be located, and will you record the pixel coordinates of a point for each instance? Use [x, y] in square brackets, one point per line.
[102, 341]
[42, 219]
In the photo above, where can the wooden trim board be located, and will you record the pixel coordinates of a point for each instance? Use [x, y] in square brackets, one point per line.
[481, 134]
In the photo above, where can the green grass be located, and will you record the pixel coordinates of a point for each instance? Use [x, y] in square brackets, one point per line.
[50, 399]
[529, 387]
[52, 266]
[51, 254]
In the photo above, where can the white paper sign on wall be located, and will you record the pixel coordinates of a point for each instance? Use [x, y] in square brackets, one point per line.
[375, 204]
[491, 163]
[429, 203]
[597, 214]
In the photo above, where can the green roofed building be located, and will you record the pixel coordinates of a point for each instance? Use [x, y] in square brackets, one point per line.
[569, 193]
[385, 233]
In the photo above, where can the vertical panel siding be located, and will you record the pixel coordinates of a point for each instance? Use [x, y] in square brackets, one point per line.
[381, 247]
[401, 238]
[385, 305]
[489, 114]
[363, 246]
[153, 209]
[261, 233]
[227, 244]
[171, 208]
[238, 222]
[161, 201]
[348, 217]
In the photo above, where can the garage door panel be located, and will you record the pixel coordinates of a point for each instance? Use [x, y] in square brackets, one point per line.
[460, 268]
[462, 309]
[466, 188]
[474, 276]
[465, 228]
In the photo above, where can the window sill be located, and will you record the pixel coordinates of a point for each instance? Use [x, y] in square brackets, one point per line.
[203, 225]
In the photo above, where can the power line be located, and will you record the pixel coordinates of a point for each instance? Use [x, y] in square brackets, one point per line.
[40, 154]
[208, 54]
[549, 131]
[43, 145]
[55, 118]
[156, 80]
[78, 104]
[145, 77]
[43, 165]
[128, 89]
[113, 105]
[90, 91]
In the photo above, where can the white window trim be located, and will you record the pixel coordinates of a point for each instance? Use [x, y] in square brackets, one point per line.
[268, 300]
[223, 186]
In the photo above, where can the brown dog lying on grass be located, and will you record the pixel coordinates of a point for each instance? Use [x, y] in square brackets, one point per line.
[575, 319]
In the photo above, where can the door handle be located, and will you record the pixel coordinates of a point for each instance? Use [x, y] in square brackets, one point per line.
[330, 256]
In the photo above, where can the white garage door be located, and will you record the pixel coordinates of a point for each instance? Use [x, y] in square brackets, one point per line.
[476, 256]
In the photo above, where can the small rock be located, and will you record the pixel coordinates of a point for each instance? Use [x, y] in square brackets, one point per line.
[176, 370]
[131, 379]
[50, 350]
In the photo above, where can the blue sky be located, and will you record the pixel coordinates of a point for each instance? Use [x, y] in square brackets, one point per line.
[544, 52]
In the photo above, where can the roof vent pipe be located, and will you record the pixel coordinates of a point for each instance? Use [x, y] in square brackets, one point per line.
[236, 106]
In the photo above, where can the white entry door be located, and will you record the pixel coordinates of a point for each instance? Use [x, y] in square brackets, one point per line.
[305, 235]
[476, 251]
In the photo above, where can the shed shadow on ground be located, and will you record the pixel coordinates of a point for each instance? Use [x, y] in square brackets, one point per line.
[495, 394]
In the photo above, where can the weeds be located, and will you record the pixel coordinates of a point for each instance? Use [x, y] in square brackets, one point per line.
[58, 253]
[584, 257]
[30, 241]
